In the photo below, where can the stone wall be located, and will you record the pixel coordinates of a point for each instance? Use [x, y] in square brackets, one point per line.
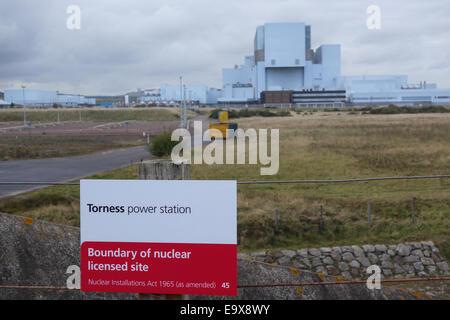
[37, 253]
[405, 260]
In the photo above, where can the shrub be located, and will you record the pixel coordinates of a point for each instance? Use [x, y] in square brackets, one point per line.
[162, 145]
[393, 109]
[266, 113]
[246, 113]
[283, 114]
[215, 114]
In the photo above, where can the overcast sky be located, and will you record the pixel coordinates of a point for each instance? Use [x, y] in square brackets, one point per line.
[124, 45]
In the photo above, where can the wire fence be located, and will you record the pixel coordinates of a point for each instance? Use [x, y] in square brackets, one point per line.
[320, 282]
[297, 181]
[261, 285]
[328, 283]
[258, 182]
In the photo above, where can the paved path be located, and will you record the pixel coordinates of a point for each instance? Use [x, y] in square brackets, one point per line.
[64, 169]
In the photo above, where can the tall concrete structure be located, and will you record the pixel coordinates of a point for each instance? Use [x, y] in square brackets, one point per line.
[284, 60]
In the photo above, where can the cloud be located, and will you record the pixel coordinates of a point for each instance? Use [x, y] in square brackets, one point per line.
[123, 45]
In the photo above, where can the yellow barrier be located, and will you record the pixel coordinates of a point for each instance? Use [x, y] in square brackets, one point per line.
[223, 116]
[222, 127]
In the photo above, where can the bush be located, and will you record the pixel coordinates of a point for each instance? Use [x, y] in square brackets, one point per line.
[232, 114]
[283, 114]
[393, 109]
[246, 113]
[215, 114]
[243, 113]
[162, 145]
[267, 113]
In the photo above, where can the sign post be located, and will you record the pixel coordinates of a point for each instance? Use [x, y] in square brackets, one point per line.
[162, 170]
[159, 236]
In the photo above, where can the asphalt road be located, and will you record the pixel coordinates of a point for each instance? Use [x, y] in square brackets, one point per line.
[64, 169]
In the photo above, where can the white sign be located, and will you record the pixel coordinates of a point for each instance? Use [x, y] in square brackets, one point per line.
[180, 234]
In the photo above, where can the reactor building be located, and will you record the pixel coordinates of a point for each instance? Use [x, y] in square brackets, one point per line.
[284, 68]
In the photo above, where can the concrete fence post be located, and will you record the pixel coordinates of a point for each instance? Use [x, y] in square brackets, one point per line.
[162, 170]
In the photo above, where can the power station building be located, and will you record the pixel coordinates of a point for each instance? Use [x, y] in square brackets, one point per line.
[44, 98]
[168, 94]
[284, 69]
[284, 61]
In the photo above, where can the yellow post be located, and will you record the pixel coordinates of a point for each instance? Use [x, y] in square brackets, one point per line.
[223, 116]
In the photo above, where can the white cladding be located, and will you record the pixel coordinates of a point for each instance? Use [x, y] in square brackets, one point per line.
[283, 60]
[44, 98]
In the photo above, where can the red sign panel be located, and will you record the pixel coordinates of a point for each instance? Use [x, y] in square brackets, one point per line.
[170, 268]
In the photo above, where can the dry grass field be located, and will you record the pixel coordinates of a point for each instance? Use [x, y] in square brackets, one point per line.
[91, 114]
[320, 145]
[100, 129]
[34, 147]
[324, 145]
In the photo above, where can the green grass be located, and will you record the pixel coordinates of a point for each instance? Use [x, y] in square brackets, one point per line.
[92, 114]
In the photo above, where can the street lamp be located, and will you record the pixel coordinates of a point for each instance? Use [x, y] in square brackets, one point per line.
[184, 106]
[24, 108]
[181, 98]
